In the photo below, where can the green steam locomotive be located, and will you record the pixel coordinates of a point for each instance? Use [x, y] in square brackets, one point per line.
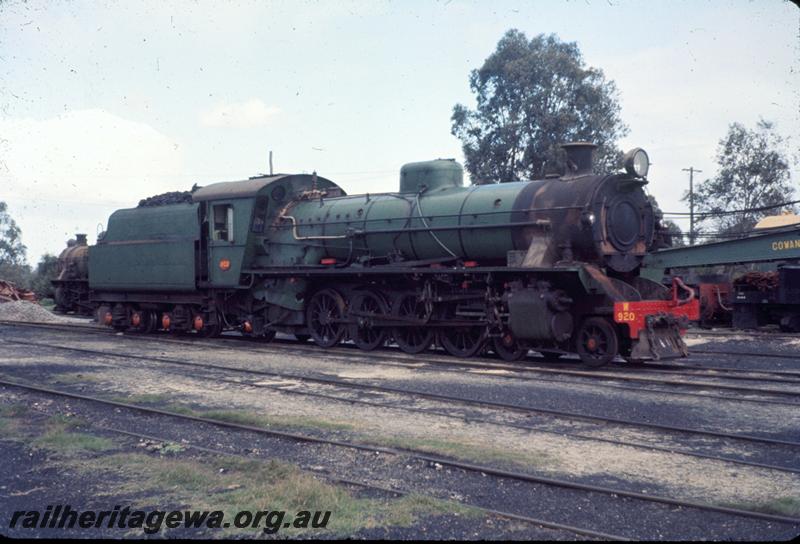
[549, 265]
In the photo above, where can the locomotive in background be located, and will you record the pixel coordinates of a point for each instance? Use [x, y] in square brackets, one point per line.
[71, 286]
[549, 265]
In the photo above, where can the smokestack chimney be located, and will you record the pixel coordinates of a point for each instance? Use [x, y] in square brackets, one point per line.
[80, 239]
[579, 158]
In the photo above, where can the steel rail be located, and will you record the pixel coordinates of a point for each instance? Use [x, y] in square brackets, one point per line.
[366, 485]
[737, 332]
[748, 354]
[420, 456]
[474, 419]
[517, 369]
[650, 367]
[421, 394]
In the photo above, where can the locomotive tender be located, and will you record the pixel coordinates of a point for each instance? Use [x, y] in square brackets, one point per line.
[549, 265]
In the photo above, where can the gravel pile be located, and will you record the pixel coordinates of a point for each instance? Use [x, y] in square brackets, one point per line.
[20, 310]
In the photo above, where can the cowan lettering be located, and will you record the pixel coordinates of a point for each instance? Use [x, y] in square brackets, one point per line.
[784, 245]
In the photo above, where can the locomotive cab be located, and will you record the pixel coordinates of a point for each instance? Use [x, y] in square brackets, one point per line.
[235, 219]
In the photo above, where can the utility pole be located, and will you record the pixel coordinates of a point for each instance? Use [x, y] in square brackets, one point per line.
[270, 162]
[691, 171]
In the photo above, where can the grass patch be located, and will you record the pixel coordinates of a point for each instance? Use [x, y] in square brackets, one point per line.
[145, 398]
[782, 506]
[60, 437]
[411, 507]
[458, 450]
[10, 415]
[73, 377]
[161, 400]
[65, 422]
[13, 410]
[149, 398]
[233, 485]
[466, 451]
[70, 442]
[263, 420]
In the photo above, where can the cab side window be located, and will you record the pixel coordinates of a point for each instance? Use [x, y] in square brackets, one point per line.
[223, 222]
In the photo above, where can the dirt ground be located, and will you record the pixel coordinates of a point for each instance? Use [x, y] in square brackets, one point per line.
[545, 446]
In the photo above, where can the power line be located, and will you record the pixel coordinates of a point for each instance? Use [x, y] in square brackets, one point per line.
[733, 212]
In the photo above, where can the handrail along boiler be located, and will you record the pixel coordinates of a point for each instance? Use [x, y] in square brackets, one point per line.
[549, 265]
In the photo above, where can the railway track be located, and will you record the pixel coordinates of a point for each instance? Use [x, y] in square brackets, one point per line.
[610, 494]
[366, 485]
[750, 333]
[531, 363]
[448, 399]
[516, 372]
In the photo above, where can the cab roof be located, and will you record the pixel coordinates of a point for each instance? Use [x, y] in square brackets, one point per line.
[251, 187]
[235, 189]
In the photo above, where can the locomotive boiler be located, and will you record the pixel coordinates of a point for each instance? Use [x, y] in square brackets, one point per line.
[549, 265]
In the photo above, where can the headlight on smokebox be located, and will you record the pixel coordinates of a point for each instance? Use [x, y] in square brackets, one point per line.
[636, 162]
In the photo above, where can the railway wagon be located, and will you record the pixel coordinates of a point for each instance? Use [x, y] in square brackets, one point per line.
[759, 278]
[549, 265]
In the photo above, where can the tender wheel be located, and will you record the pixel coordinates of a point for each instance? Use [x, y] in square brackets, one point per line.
[463, 341]
[268, 336]
[363, 332]
[597, 342]
[149, 321]
[143, 321]
[210, 331]
[325, 318]
[414, 339]
[507, 348]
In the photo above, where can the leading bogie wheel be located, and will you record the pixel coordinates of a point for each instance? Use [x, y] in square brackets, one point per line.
[508, 348]
[325, 316]
[365, 308]
[597, 342]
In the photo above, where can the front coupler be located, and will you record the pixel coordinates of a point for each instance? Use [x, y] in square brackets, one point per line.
[656, 326]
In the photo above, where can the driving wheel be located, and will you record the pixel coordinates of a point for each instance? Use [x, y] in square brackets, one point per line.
[367, 307]
[463, 341]
[412, 338]
[325, 317]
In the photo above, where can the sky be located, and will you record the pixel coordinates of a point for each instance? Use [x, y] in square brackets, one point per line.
[105, 103]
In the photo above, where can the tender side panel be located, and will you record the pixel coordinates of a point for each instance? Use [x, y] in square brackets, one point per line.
[147, 249]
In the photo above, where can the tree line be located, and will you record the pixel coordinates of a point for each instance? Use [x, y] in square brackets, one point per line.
[533, 94]
[14, 265]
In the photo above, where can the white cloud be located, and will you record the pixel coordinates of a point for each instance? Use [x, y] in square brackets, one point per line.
[250, 113]
[66, 174]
